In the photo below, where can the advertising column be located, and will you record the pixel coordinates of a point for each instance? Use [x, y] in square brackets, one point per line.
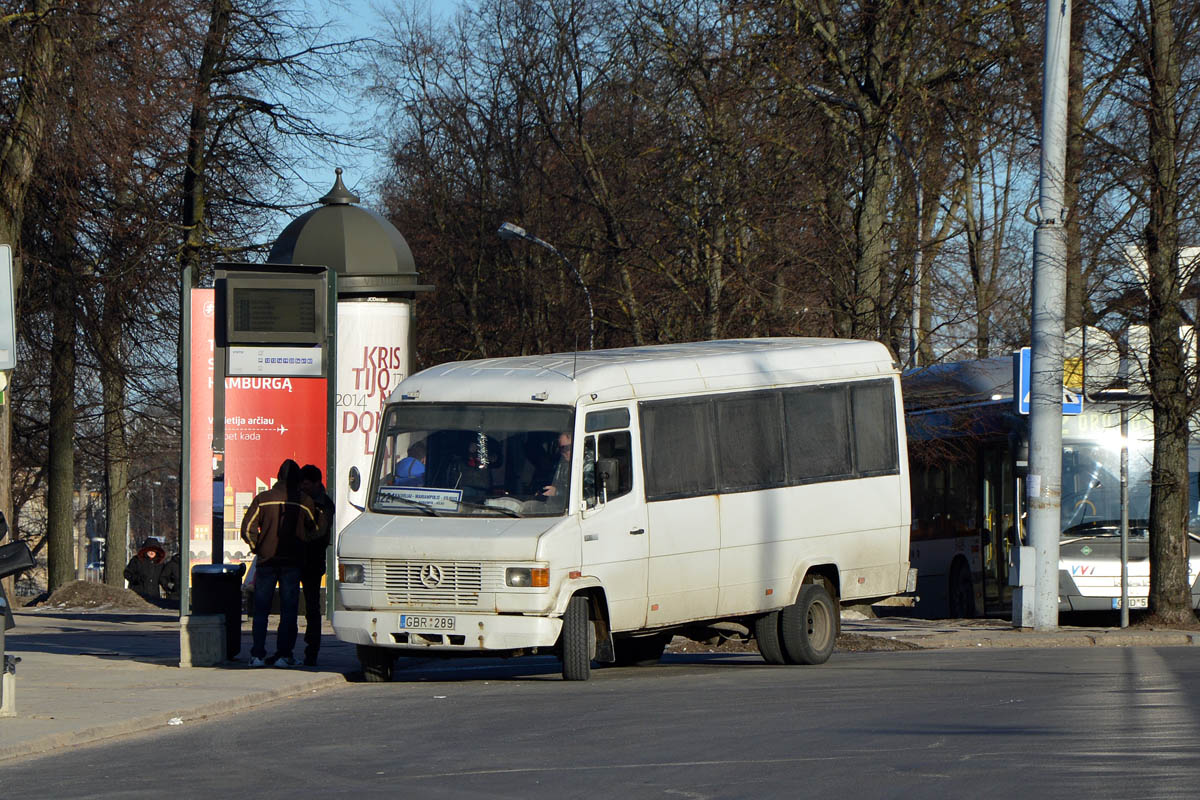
[372, 359]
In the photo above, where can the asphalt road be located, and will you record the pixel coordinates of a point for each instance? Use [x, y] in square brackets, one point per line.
[1086, 722]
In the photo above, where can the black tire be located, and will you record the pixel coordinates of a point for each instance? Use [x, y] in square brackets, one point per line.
[377, 663]
[766, 632]
[961, 597]
[809, 626]
[641, 651]
[578, 641]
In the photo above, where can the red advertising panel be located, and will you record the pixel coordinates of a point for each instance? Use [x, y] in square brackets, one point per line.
[200, 456]
[267, 419]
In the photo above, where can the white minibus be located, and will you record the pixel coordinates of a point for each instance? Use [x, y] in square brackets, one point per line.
[595, 504]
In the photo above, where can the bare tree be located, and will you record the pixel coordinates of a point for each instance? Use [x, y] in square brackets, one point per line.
[1170, 595]
[31, 34]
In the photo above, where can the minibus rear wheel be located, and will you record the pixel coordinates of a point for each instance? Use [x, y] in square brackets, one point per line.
[377, 663]
[809, 626]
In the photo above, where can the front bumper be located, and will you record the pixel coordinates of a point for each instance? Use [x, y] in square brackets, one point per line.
[1070, 598]
[471, 632]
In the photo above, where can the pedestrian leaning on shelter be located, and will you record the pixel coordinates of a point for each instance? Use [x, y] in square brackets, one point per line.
[312, 562]
[277, 524]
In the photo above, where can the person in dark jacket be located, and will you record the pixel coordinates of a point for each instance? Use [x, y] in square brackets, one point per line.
[144, 569]
[312, 563]
[276, 525]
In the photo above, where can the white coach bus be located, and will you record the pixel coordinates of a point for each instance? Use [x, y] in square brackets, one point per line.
[595, 504]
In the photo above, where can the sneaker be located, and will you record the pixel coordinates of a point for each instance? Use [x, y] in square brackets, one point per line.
[310, 661]
[255, 661]
[285, 662]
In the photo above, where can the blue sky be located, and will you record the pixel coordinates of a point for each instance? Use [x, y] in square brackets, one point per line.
[362, 169]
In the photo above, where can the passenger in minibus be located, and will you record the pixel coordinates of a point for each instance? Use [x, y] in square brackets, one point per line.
[410, 471]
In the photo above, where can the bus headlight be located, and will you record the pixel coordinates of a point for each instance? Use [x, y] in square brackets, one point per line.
[527, 576]
[350, 573]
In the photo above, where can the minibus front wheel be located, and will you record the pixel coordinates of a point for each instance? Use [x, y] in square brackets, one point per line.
[809, 626]
[578, 640]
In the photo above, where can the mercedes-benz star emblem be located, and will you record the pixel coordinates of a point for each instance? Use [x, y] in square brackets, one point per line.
[431, 576]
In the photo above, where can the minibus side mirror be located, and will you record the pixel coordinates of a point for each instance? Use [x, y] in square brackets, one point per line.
[354, 479]
[608, 470]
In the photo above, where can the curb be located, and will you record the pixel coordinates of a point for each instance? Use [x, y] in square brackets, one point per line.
[149, 722]
[1018, 639]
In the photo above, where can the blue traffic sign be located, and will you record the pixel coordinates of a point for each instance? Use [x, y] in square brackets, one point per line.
[1072, 402]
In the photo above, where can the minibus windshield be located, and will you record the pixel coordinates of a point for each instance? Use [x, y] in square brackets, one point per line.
[473, 459]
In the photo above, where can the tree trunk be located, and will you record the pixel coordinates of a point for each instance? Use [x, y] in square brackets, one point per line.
[871, 246]
[195, 198]
[1075, 315]
[18, 151]
[1169, 591]
[116, 451]
[60, 511]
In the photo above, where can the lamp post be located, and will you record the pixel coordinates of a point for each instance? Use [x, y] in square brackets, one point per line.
[511, 231]
[153, 508]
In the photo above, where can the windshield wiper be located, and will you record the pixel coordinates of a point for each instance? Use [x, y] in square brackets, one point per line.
[503, 510]
[425, 508]
[1101, 528]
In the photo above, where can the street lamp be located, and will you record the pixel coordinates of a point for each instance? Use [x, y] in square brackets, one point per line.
[153, 535]
[510, 231]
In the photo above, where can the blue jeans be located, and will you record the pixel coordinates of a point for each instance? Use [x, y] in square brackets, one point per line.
[265, 579]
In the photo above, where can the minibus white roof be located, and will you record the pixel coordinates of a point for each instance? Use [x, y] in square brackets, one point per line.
[644, 372]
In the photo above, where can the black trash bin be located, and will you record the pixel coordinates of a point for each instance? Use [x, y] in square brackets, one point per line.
[217, 589]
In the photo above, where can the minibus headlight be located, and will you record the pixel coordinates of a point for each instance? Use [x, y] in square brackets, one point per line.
[350, 573]
[527, 576]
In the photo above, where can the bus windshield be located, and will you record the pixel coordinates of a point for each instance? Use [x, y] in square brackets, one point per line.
[1091, 488]
[473, 459]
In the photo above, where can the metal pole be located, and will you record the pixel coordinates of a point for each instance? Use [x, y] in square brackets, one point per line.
[508, 230]
[1049, 280]
[1124, 516]
[914, 327]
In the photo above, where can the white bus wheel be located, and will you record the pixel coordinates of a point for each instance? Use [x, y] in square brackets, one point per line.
[809, 626]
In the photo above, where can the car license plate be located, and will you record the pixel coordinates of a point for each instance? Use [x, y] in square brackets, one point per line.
[426, 623]
[1134, 602]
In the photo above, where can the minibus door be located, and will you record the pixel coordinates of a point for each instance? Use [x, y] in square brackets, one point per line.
[613, 519]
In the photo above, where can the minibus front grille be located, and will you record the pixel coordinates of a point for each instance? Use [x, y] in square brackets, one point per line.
[433, 583]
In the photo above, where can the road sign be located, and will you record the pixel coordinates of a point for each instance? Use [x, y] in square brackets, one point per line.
[8, 332]
[1072, 402]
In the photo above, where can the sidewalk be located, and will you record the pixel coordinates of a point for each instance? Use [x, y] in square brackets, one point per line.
[942, 634]
[88, 675]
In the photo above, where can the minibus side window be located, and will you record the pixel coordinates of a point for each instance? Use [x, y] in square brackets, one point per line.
[749, 441]
[677, 448]
[874, 411]
[818, 431]
[615, 446]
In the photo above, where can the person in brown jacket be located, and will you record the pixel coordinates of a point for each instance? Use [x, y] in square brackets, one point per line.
[276, 525]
